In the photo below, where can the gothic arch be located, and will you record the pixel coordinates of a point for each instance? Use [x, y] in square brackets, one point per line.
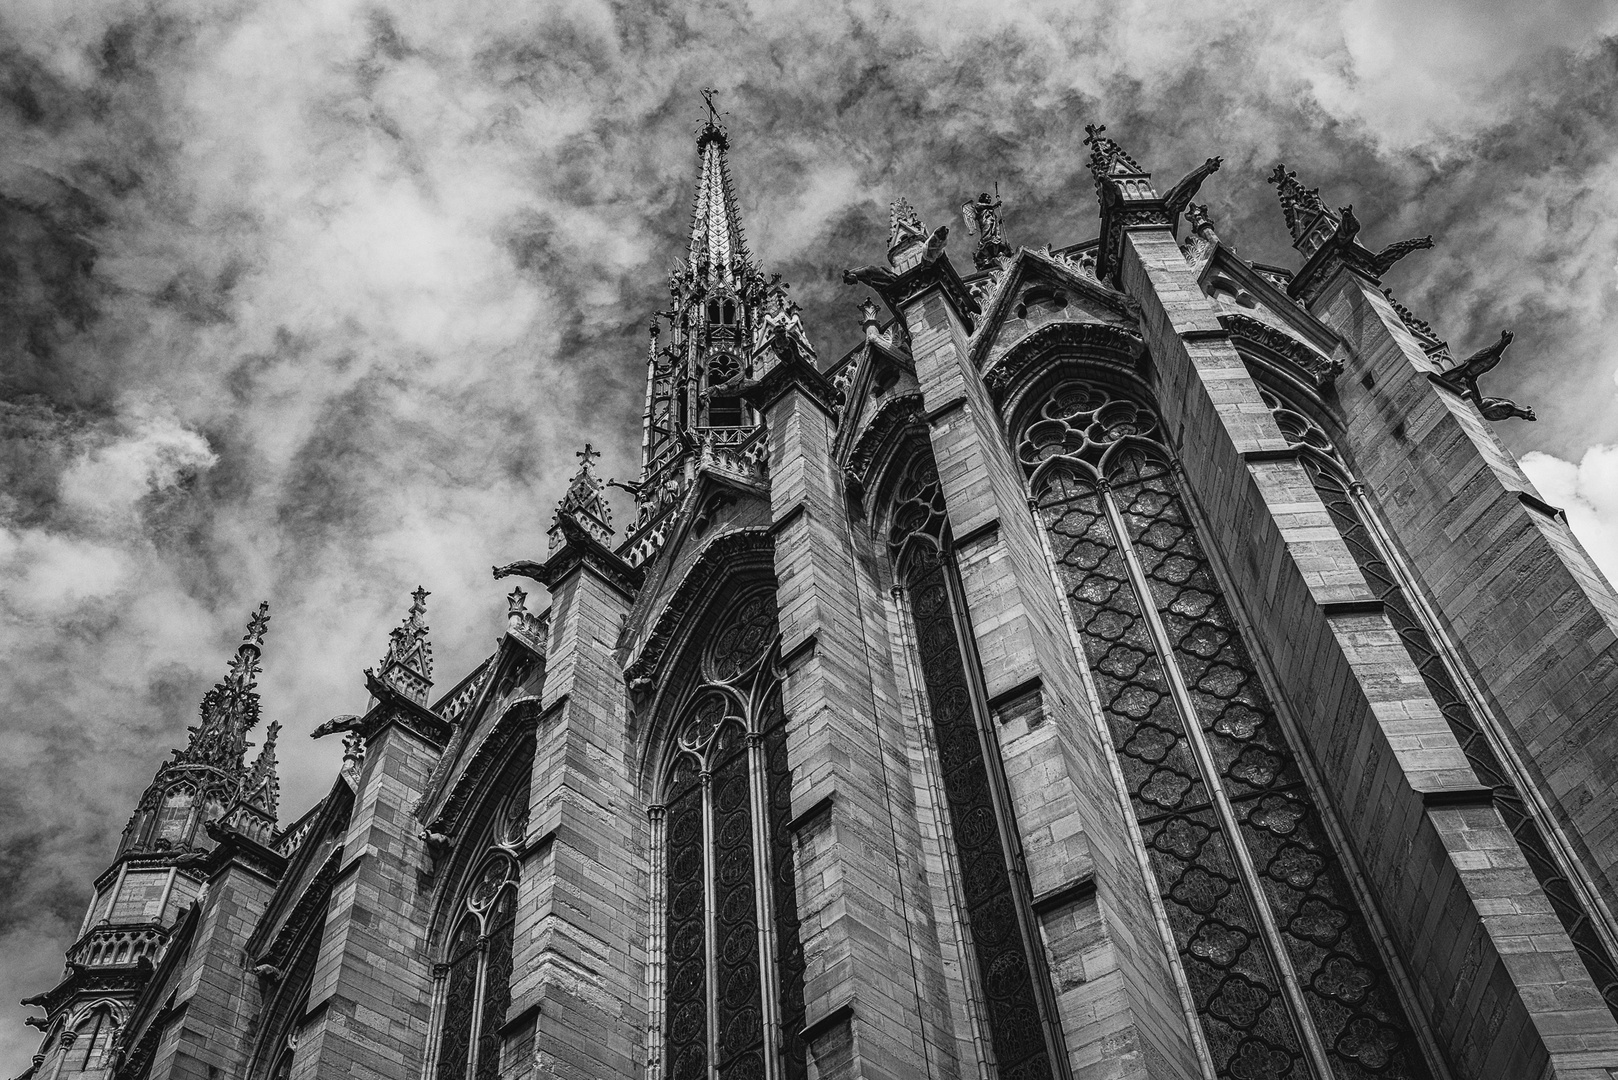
[473, 926]
[726, 965]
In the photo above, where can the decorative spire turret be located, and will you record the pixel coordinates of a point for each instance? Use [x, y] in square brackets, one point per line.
[408, 665]
[584, 503]
[261, 789]
[1307, 218]
[727, 323]
[1128, 199]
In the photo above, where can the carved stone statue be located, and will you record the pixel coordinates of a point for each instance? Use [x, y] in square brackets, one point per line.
[982, 217]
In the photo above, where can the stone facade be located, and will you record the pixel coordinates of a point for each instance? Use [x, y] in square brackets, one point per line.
[1128, 661]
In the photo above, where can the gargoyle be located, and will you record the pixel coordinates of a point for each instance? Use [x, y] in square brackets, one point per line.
[521, 568]
[1348, 226]
[1181, 194]
[1463, 379]
[268, 972]
[879, 278]
[1499, 408]
[346, 722]
[1383, 260]
[935, 245]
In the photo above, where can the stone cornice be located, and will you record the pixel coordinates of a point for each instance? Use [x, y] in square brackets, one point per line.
[311, 906]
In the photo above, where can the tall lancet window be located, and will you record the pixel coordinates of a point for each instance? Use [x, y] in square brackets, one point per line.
[1006, 949]
[1277, 951]
[734, 967]
[476, 970]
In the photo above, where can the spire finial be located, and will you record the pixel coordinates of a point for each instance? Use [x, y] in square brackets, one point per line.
[230, 709]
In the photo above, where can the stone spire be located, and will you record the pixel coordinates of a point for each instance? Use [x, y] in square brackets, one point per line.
[726, 324]
[408, 665]
[1307, 218]
[717, 250]
[261, 788]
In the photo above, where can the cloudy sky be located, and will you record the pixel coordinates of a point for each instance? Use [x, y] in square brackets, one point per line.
[313, 302]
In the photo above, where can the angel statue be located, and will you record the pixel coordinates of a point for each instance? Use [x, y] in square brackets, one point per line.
[983, 219]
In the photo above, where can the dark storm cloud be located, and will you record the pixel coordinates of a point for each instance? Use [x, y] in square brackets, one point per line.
[314, 302]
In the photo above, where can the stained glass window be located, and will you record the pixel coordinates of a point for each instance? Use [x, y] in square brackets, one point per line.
[477, 965]
[1279, 957]
[1003, 938]
[729, 765]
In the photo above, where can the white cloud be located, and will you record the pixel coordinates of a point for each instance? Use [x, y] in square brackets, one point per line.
[1588, 491]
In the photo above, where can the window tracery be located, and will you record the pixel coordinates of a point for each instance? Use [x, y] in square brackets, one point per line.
[1278, 955]
[477, 966]
[733, 993]
[1005, 943]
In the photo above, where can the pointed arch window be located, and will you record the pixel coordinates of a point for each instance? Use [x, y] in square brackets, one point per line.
[476, 971]
[1277, 952]
[725, 409]
[1007, 955]
[733, 982]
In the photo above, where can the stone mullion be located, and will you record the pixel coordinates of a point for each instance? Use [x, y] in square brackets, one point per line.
[710, 930]
[764, 902]
[1354, 872]
[959, 924]
[438, 1003]
[657, 942]
[479, 992]
[1291, 988]
[1121, 787]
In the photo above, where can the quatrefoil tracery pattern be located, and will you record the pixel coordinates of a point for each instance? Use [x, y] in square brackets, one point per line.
[1109, 502]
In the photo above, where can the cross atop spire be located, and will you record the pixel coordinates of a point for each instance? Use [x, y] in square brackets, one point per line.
[585, 501]
[1107, 158]
[717, 249]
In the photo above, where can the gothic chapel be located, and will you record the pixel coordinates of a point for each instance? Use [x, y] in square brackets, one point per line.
[1128, 662]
